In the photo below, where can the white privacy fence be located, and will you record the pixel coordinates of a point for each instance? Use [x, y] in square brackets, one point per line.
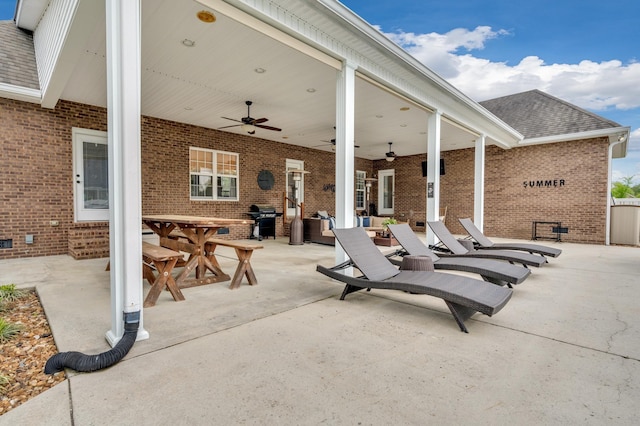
[626, 201]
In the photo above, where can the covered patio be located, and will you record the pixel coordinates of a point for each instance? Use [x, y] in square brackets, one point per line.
[287, 351]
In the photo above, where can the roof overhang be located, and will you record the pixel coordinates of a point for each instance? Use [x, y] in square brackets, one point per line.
[615, 135]
[28, 13]
[19, 93]
[322, 36]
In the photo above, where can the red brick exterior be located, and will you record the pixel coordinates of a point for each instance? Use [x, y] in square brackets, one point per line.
[578, 169]
[36, 172]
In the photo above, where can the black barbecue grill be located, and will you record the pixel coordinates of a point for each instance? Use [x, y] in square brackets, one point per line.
[264, 217]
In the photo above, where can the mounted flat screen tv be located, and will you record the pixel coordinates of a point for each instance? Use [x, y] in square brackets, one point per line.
[424, 168]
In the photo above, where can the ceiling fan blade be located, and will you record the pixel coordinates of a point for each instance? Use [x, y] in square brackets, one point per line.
[232, 119]
[233, 125]
[260, 120]
[268, 127]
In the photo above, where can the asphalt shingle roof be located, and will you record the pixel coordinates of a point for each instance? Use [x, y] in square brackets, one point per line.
[537, 114]
[17, 57]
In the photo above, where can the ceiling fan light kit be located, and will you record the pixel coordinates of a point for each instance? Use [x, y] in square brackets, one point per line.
[249, 124]
[390, 155]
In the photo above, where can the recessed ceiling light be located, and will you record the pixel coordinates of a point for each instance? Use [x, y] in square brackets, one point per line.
[405, 109]
[206, 16]
[311, 90]
[403, 125]
[379, 116]
[285, 137]
[260, 70]
[188, 43]
[188, 108]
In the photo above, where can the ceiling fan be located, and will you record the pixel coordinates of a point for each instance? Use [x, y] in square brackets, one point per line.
[248, 123]
[333, 143]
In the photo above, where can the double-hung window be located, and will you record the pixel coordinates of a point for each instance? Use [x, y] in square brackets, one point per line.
[213, 174]
[360, 190]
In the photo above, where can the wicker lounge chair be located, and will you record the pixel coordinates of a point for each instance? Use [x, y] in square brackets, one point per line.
[484, 243]
[456, 248]
[464, 296]
[490, 270]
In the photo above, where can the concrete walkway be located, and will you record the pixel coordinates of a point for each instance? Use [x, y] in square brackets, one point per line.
[565, 349]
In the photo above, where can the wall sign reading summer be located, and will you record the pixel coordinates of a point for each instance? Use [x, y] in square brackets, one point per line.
[550, 183]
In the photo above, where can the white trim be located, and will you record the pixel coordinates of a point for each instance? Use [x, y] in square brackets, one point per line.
[434, 131]
[10, 91]
[478, 183]
[612, 133]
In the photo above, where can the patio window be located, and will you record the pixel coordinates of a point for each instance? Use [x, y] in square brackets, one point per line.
[207, 167]
[360, 189]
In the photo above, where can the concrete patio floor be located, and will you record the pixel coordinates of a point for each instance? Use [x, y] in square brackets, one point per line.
[565, 349]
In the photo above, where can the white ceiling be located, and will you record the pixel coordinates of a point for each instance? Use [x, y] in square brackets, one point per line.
[201, 84]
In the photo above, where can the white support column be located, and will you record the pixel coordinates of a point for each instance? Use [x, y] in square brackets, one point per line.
[123, 103]
[478, 183]
[345, 151]
[433, 171]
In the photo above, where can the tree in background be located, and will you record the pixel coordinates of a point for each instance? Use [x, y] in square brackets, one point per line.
[624, 189]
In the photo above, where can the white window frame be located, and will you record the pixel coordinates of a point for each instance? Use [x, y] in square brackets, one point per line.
[215, 174]
[361, 189]
[78, 137]
[386, 187]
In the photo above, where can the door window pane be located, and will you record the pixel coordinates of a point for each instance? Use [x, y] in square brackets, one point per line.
[96, 175]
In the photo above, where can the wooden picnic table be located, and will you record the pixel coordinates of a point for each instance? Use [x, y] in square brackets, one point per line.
[196, 231]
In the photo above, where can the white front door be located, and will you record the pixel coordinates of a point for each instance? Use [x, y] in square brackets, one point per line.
[90, 175]
[386, 188]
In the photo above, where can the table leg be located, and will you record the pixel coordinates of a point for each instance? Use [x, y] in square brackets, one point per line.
[244, 268]
[217, 274]
[164, 279]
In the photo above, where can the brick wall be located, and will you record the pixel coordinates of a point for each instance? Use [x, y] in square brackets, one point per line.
[37, 171]
[36, 174]
[510, 208]
[37, 181]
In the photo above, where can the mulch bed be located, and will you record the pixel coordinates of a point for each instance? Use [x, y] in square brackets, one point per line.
[23, 357]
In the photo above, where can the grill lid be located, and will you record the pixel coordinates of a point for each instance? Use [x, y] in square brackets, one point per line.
[262, 208]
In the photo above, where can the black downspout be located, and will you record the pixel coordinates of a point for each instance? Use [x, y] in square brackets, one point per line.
[88, 363]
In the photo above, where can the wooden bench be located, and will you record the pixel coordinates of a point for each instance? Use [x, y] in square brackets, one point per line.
[163, 260]
[244, 250]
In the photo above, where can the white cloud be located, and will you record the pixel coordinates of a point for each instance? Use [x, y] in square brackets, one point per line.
[591, 85]
[597, 86]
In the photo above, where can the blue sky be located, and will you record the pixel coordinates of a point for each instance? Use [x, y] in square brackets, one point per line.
[585, 52]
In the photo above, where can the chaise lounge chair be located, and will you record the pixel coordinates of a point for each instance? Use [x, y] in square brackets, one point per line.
[456, 248]
[493, 271]
[484, 243]
[464, 296]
